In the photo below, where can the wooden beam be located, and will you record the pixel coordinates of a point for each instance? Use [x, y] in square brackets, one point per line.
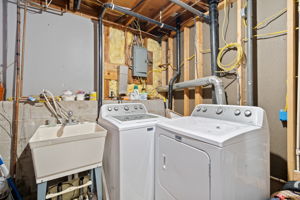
[186, 71]
[199, 58]
[291, 89]
[170, 10]
[142, 7]
[191, 21]
[241, 69]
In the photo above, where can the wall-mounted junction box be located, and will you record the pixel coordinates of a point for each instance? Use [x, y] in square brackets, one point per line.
[140, 61]
[123, 79]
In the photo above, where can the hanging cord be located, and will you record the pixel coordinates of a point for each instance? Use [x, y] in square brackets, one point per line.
[233, 65]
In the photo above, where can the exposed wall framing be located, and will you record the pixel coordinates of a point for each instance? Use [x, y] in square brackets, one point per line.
[240, 37]
[186, 70]
[199, 59]
[291, 89]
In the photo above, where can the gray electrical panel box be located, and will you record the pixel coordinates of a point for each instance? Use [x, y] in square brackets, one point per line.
[140, 61]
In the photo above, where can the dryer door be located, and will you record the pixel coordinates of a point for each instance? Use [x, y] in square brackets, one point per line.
[183, 171]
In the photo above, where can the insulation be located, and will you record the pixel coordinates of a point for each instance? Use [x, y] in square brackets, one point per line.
[116, 46]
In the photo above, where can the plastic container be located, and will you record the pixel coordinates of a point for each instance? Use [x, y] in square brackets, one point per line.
[93, 96]
[135, 95]
[80, 97]
[2, 91]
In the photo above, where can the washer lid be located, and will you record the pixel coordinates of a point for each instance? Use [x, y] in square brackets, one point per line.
[126, 118]
[212, 131]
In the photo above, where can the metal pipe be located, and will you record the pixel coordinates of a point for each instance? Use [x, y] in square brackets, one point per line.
[192, 10]
[100, 61]
[178, 68]
[77, 7]
[214, 39]
[142, 17]
[210, 80]
[250, 99]
[214, 34]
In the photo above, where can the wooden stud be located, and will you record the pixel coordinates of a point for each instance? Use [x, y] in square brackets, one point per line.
[17, 77]
[291, 89]
[106, 89]
[296, 175]
[241, 69]
[164, 61]
[199, 66]
[71, 5]
[186, 70]
[131, 19]
[23, 49]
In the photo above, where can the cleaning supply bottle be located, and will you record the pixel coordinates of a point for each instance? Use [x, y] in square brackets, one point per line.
[135, 95]
[2, 90]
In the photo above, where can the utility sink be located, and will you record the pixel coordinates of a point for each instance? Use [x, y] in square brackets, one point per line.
[59, 150]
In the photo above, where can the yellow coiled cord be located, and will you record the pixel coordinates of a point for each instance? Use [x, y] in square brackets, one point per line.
[236, 62]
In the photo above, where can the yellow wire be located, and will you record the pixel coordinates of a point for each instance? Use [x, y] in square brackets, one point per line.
[228, 47]
[236, 62]
[266, 20]
[224, 20]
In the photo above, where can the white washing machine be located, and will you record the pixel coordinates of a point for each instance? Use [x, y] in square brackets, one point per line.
[217, 153]
[129, 150]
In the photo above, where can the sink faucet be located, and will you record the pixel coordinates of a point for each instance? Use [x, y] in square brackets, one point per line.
[69, 120]
[70, 115]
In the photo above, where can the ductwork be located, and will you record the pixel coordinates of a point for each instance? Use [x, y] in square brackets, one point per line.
[210, 80]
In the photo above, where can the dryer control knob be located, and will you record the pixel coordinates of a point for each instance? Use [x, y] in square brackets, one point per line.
[136, 107]
[219, 111]
[109, 108]
[204, 109]
[198, 109]
[248, 113]
[141, 107]
[126, 108]
[116, 108]
[237, 112]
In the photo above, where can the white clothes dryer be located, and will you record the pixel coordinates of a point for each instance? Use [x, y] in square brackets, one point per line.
[220, 152]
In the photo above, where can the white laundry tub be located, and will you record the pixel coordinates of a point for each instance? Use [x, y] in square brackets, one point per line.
[56, 154]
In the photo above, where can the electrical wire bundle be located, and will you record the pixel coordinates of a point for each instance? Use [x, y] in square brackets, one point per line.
[233, 65]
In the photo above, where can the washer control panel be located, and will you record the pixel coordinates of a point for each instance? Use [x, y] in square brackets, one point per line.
[243, 114]
[123, 109]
